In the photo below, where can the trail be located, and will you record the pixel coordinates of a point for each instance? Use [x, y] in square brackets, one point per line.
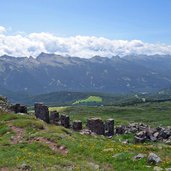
[52, 145]
[19, 134]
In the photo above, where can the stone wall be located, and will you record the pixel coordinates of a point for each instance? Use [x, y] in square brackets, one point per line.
[95, 125]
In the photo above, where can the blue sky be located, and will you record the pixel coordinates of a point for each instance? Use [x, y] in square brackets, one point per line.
[146, 20]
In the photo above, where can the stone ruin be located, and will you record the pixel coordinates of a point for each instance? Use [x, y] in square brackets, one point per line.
[54, 117]
[97, 126]
[77, 125]
[17, 108]
[144, 133]
[109, 127]
[42, 112]
[65, 121]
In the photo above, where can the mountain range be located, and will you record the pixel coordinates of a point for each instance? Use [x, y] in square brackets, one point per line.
[51, 73]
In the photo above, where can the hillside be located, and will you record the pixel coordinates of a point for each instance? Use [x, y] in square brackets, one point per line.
[27, 143]
[50, 73]
[65, 98]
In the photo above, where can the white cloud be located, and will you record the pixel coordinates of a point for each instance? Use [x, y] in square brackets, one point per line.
[2, 29]
[83, 46]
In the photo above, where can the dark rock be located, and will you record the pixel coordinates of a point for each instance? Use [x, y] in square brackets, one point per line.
[54, 117]
[41, 112]
[96, 125]
[138, 157]
[109, 126]
[17, 108]
[139, 139]
[165, 134]
[77, 125]
[23, 109]
[65, 121]
[121, 129]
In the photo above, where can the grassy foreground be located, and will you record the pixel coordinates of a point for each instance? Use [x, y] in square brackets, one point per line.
[83, 152]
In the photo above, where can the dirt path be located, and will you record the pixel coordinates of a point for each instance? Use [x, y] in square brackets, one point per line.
[4, 169]
[52, 145]
[19, 133]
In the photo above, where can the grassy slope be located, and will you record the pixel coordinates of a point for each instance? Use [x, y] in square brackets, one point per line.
[154, 114]
[90, 99]
[85, 152]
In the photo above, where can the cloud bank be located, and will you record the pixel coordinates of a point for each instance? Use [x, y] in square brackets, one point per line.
[82, 46]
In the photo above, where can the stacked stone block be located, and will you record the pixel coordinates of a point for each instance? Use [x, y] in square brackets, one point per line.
[65, 121]
[96, 125]
[41, 112]
[109, 126]
[77, 125]
[54, 117]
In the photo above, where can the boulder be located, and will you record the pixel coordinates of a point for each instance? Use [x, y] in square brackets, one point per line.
[153, 159]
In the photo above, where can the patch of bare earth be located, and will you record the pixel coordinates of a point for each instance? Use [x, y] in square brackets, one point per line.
[52, 145]
[19, 133]
[4, 169]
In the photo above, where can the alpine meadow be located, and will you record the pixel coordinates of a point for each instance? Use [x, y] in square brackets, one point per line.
[85, 85]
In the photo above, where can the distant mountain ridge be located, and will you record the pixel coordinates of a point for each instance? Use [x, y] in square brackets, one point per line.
[50, 73]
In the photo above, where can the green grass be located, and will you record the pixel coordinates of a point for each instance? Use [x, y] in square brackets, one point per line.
[154, 114]
[90, 99]
[87, 153]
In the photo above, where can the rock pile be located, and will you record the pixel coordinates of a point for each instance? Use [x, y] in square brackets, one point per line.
[144, 133]
[130, 128]
[154, 134]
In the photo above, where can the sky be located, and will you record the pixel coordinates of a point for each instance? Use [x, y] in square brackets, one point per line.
[66, 26]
